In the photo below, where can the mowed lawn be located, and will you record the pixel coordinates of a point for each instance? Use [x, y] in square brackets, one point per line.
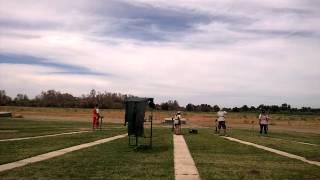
[15, 128]
[112, 160]
[291, 142]
[218, 158]
[16, 150]
[215, 157]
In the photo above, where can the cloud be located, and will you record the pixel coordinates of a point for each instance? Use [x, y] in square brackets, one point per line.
[217, 52]
[36, 61]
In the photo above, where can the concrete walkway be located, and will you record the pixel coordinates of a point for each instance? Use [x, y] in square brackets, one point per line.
[282, 153]
[53, 154]
[184, 166]
[36, 137]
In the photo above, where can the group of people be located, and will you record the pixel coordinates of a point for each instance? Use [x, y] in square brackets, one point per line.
[220, 122]
[263, 122]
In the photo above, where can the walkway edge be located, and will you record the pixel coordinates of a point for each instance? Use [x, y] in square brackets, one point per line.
[282, 153]
[184, 166]
[49, 155]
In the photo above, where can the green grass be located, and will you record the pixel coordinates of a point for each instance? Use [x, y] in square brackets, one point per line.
[17, 150]
[15, 128]
[285, 141]
[113, 160]
[218, 158]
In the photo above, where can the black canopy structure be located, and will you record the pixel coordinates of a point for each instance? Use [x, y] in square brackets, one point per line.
[138, 125]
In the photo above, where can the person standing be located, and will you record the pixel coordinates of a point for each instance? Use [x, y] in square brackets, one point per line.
[177, 123]
[221, 121]
[263, 122]
[95, 117]
[98, 115]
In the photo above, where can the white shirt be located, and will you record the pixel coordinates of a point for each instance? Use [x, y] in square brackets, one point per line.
[220, 115]
[97, 111]
[263, 119]
[177, 118]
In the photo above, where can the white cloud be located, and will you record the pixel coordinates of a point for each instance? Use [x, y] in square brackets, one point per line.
[240, 57]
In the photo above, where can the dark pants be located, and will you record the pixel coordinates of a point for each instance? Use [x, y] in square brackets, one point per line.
[264, 127]
[222, 124]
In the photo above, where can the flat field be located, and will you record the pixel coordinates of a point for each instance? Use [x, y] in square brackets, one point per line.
[215, 157]
[287, 122]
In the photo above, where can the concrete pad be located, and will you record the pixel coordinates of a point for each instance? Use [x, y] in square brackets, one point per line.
[282, 153]
[57, 153]
[36, 137]
[184, 166]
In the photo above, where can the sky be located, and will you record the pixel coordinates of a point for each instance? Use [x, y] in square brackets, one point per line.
[224, 52]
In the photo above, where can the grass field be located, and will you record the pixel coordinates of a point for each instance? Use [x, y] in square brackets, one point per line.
[291, 142]
[17, 150]
[218, 158]
[114, 160]
[215, 157]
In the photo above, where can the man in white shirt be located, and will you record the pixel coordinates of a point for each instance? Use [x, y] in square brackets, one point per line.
[177, 123]
[263, 122]
[98, 116]
[221, 121]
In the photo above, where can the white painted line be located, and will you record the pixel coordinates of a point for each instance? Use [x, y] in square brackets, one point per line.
[184, 166]
[53, 154]
[295, 141]
[306, 143]
[282, 153]
[49, 135]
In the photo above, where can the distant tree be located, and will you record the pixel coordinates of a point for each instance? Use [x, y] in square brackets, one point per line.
[170, 105]
[226, 109]
[244, 108]
[252, 108]
[284, 107]
[235, 109]
[305, 109]
[4, 99]
[21, 100]
[216, 108]
[164, 106]
[190, 107]
[205, 108]
[274, 108]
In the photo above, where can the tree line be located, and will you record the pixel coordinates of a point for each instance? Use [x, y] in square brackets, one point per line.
[108, 100]
[52, 98]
